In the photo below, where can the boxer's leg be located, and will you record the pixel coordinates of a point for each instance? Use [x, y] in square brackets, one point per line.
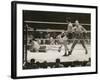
[83, 44]
[72, 47]
[66, 48]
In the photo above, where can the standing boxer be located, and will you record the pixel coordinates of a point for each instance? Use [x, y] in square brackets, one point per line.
[79, 30]
[66, 35]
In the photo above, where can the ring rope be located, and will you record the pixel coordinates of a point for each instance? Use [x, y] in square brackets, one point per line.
[45, 22]
[50, 30]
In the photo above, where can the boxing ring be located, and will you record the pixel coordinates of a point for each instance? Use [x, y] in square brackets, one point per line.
[51, 51]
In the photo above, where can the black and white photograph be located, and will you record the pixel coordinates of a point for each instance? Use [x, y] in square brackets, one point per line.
[53, 39]
[56, 39]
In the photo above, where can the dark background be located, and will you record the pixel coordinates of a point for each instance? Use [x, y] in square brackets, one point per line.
[55, 17]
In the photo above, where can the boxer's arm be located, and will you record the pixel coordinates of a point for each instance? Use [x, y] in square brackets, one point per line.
[83, 29]
[74, 29]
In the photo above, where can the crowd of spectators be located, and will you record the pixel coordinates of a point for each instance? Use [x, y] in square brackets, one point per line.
[57, 64]
[45, 37]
